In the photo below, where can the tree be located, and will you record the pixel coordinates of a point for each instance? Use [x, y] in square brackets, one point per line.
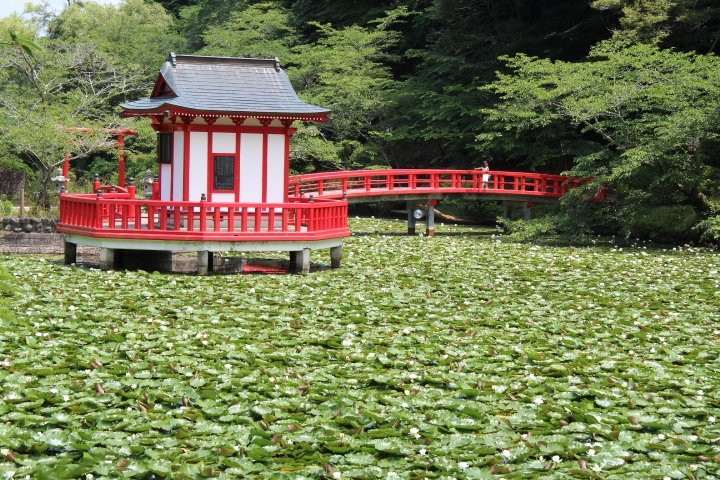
[57, 86]
[641, 119]
[686, 24]
[137, 35]
[261, 30]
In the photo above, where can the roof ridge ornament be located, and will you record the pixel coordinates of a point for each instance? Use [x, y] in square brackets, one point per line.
[173, 59]
[277, 64]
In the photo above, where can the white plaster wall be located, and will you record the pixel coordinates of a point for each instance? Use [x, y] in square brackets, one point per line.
[165, 181]
[178, 152]
[198, 165]
[276, 168]
[223, 142]
[251, 148]
[223, 197]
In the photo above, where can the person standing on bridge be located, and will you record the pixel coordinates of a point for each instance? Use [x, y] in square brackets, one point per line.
[485, 176]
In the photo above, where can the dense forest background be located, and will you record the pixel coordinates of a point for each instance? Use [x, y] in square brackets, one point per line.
[625, 92]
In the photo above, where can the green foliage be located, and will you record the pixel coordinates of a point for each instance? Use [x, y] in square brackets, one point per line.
[687, 24]
[342, 71]
[7, 290]
[261, 30]
[450, 357]
[668, 224]
[6, 206]
[641, 119]
[134, 35]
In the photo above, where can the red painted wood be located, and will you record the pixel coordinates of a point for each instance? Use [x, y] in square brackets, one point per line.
[210, 171]
[123, 217]
[186, 163]
[359, 183]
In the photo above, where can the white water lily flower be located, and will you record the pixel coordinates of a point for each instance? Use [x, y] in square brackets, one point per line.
[463, 465]
[507, 454]
[337, 475]
[422, 452]
[591, 453]
[661, 436]
[711, 419]
[538, 401]
[556, 458]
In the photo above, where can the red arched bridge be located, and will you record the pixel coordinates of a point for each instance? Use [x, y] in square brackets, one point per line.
[390, 185]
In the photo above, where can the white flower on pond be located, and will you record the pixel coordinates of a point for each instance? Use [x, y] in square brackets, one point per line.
[337, 475]
[415, 432]
[463, 465]
[538, 401]
[499, 388]
[591, 453]
[507, 454]
[556, 458]
[392, 474]
[711, 419]
[347, 342]
[422, 452]
[661, 436]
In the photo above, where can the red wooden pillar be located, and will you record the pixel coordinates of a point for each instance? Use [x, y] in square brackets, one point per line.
[186, 159]
[121, 159]
[265, 123]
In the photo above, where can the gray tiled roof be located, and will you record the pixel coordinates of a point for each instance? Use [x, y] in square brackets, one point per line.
[222, 84]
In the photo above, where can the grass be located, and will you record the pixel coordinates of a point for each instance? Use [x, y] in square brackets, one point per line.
[461, 356]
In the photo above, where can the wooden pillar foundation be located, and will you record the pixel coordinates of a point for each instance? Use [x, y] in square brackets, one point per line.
[70, 253]
[527, 213]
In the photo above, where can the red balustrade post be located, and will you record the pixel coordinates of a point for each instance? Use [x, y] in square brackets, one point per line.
[203, 212]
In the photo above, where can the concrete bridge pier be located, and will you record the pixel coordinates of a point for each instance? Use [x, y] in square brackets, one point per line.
[430, 219]
[411, 220]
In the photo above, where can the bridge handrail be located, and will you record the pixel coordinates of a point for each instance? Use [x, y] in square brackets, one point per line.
[357, 183]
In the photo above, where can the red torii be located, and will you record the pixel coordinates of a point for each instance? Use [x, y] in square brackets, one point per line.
[120, 133]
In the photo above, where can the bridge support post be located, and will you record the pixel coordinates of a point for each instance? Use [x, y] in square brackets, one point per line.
[527, 212]
[507, 209]
[336, 256]
[204, 262]
[430, 219]
[70, 253]
[411, 221]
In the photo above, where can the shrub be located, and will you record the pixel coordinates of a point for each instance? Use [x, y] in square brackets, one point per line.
[670, 224]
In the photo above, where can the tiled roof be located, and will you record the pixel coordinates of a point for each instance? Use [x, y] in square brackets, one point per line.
[223, 84]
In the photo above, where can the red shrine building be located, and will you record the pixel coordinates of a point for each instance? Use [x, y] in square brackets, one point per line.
[224, 130]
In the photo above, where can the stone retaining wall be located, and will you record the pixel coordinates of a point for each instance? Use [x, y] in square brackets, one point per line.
[28, 225]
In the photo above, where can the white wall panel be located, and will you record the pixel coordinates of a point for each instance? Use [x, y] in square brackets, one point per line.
[198, 165]
[165, 181]
[223, 197]
[251, 148]
[223, 142]
[178, 152]
[276, 168]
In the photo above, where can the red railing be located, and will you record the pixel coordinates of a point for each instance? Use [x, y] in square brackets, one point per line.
[365, 183]
[118, 216]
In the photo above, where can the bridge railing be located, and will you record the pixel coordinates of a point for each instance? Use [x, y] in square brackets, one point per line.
[357, 183]
[297, 219]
